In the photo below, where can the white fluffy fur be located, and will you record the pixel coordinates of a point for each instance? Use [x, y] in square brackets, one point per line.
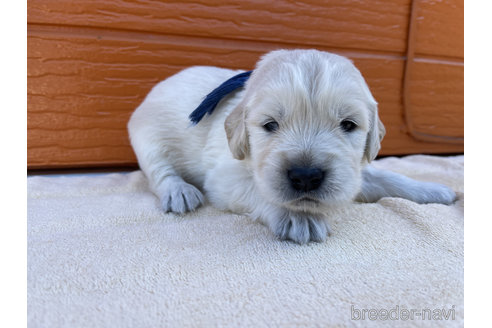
[243, 168]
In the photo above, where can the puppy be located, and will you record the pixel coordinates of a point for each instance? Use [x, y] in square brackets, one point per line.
[285, 149]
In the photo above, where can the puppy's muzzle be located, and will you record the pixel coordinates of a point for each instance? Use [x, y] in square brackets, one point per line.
[305, 179]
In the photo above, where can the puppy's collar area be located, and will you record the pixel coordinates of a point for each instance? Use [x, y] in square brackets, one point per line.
[213, 98]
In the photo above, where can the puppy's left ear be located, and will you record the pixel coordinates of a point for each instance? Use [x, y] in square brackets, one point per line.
[237, 136]
[375, 134]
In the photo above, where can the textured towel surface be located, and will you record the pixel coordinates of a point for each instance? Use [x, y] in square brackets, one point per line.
[102, 254]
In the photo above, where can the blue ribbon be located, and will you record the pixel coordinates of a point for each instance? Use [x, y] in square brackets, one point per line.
[213, 98]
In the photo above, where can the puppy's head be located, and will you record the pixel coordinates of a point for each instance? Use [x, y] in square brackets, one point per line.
[306, 125]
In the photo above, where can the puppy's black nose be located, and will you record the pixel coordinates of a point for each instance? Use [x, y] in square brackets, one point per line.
[305, 178]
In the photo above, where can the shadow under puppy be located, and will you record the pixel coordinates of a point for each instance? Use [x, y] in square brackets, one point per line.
[293, 143]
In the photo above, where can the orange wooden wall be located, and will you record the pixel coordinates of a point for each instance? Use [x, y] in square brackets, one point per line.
[91, 62]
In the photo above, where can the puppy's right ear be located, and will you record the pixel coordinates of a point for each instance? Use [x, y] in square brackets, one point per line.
[237, 136]
[375, 135]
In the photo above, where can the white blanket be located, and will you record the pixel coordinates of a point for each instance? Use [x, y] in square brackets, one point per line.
[102, 254]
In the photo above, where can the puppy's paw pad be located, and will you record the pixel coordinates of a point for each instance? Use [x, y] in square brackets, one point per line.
[436, 193]
[181, 197]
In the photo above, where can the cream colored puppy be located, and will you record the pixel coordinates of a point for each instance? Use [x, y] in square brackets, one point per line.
[290, 145]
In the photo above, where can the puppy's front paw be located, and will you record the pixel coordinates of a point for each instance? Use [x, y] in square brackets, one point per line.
[180, 197]
[301, 229]
[430, 192]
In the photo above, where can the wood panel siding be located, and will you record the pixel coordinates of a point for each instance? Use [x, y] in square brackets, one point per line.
[90, 63]
[433, 97]
[440, 26]
[376, 25]
[436, 86]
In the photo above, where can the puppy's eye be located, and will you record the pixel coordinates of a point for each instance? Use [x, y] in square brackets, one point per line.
[271, 126]
[348, 125]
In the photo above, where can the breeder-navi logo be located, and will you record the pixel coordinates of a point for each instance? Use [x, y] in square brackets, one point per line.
[402, 313]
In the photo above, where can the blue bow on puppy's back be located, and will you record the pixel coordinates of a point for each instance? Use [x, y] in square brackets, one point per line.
[213, 98]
